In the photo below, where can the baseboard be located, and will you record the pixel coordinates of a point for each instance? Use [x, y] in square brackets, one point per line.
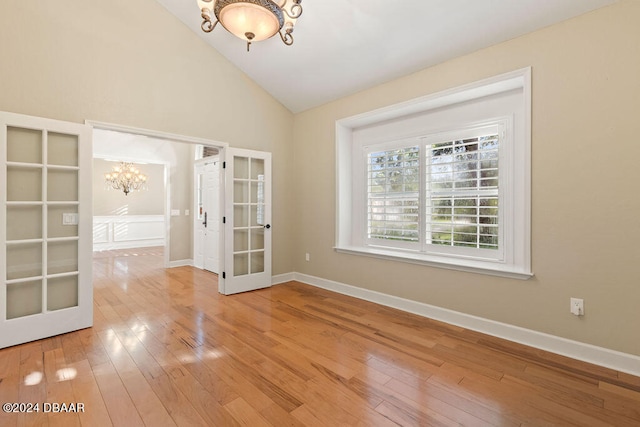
[181, 263]
[282, 278]
[612, 359]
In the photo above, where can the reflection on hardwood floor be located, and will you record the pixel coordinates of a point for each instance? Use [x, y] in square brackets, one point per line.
[166, 349]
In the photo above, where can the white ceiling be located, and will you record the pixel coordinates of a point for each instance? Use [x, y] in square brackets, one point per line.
[344, 46]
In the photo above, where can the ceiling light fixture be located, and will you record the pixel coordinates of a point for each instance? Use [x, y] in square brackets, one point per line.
[126, 177]
[252, 20]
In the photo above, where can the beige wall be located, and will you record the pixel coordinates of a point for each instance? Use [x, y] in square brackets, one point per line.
[132, 63]
[107, 201]
[586, 109]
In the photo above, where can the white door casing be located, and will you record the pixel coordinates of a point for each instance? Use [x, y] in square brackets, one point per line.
[45, 228]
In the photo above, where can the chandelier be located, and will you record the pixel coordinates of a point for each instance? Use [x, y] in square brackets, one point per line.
[252, 20]
[125, 177]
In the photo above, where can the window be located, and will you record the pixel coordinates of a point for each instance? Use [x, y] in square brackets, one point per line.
[439, 196]
[445, 185]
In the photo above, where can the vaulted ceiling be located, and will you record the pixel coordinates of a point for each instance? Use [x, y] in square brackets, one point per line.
[345, 46]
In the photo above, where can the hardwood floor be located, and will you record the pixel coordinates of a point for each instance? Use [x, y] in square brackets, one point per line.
[166, 349]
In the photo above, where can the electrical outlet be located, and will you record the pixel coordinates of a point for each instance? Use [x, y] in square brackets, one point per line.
[577, 306]
[307, 256]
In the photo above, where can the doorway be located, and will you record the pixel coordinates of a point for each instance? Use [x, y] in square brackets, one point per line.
[178, 154]
[244, 257]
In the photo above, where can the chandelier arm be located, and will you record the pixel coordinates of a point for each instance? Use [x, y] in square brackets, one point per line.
[296, 11]
[207, 26]
[287, 38]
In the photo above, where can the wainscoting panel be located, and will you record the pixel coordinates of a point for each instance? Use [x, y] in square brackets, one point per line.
[128, 231]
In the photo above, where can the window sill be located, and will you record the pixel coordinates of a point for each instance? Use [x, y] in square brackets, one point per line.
[471, 266]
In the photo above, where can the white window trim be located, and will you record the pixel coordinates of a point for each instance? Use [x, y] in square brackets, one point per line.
[518, 257]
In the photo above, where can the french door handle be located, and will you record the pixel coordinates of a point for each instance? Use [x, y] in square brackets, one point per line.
[205, 220]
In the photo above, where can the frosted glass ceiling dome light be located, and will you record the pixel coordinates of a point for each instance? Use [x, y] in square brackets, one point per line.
[252, 20]
[242, 19]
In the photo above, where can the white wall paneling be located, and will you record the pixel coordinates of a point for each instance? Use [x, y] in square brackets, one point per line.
[131, 231]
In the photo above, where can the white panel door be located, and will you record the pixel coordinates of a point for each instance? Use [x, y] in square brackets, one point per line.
[207, 217]
[45, 228]
[211, 202]
[247, 225]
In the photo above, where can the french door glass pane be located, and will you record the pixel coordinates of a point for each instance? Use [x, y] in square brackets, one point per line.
[55, 214]
[62, 185]
[257, 262]
[257, 238]
[24, 222]
[62, 292]
[24, 184]
[241, 216]
[62, 257]
[257, 189]
[240, 264]
[62, 149]
[257, 216]
[240, 192]
[24, 145]
[24, 260]
[241, 167]
[257, 168]
[241, 240]
[24, 299]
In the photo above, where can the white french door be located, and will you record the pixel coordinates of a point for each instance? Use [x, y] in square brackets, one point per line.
[45, 228]
[247, 221]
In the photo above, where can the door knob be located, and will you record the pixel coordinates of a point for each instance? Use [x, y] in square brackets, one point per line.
[268, 226]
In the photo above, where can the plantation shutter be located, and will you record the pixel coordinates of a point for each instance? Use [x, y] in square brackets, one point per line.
[393, 193]
[461, 203]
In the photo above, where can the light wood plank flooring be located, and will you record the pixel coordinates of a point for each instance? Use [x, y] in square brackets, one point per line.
[166, 349]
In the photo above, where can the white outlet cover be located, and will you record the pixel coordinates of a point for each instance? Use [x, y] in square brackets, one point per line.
[577, 306]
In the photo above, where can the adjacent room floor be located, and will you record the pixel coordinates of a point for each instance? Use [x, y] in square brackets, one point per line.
[167, 349]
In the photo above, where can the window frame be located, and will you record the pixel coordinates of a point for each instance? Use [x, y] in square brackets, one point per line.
[514, 189]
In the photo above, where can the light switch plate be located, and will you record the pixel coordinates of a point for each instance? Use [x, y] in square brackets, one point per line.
[69, 219]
